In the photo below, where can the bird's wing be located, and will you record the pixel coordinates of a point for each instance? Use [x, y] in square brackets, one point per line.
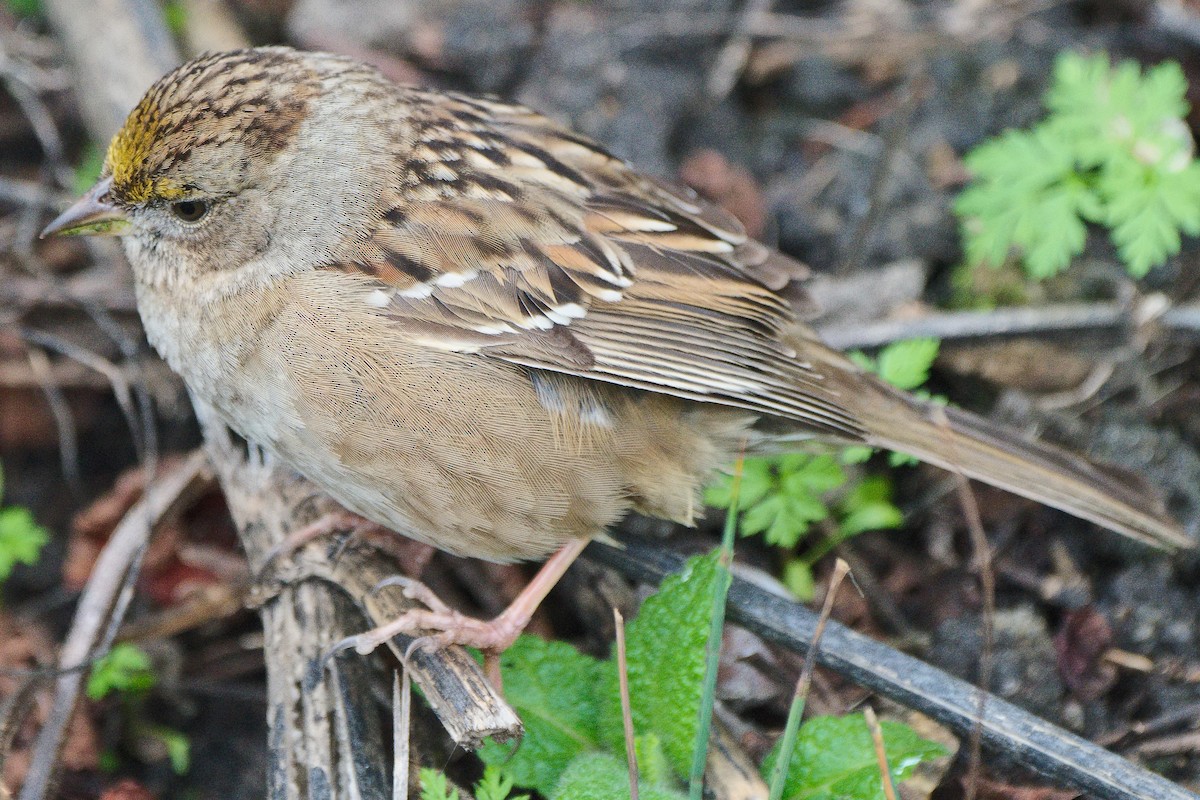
[510, 236]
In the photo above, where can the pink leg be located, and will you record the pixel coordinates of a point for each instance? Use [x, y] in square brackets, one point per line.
[446, 626]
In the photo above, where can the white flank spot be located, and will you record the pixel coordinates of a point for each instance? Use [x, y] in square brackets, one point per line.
[654, 225]
[418, 291]
[572, 310]
[452, 280]
[379, 298]
[595, 415]
[491, 330]
[536, 323]
[607, 295]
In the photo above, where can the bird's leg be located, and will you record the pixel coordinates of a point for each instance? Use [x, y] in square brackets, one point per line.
[445, 626]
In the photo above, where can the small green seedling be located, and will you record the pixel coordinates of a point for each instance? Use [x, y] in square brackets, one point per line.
[1114, 151]
[21, 539]
[782, 497]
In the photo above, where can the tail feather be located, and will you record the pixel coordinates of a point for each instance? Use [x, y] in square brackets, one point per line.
[963, 442]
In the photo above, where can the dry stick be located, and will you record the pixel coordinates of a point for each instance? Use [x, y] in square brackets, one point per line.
[401, 726]
[118, 381]
[1036, 744]
[114, 570]
[626, 709]
[1060, 318]
[792, 730]
[885, 771]
[64, 420]
[987, 581]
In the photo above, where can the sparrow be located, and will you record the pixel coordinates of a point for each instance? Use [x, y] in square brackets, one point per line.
[474, 326]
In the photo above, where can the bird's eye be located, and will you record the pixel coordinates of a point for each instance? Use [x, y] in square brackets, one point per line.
[190, 210]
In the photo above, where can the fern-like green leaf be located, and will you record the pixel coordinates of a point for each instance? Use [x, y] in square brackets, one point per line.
[1114, 151]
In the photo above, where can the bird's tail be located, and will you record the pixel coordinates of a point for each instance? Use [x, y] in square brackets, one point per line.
[959, 441]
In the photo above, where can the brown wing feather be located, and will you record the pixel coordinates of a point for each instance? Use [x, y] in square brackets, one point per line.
[535, 245]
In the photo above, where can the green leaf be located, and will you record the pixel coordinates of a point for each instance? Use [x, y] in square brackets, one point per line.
[494, 785]
[21, 539]
[859, 454]
[835, 759]
[435, 786]
[552, 686]
[758, 479]
[906, 364]
[666, 653]
[126, 668]
[811, 473]
[798, 578]
[179, 748]
[1115, 151]
[653, 766]
[1147, 210]
[868, 507]
[599, 776]
[1028, 195]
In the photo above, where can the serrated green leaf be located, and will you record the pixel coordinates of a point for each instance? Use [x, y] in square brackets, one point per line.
[1027, 195]
[126, 668]
[495, 785]
[906, 364]
[798, 578]
[815, 473]
[600, 776]
[835, 759]
[552, 686]
[761, 516]
[1147, 210]
[666, 662]
[793, 520]
[758, 479]
[435, 786]
[1106, 154]
[21, 539]
[178, 746]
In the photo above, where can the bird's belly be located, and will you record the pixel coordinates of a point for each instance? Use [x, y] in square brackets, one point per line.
[450, 449]
[457, 450]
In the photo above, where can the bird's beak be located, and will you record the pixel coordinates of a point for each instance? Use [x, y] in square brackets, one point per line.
[94, 214]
